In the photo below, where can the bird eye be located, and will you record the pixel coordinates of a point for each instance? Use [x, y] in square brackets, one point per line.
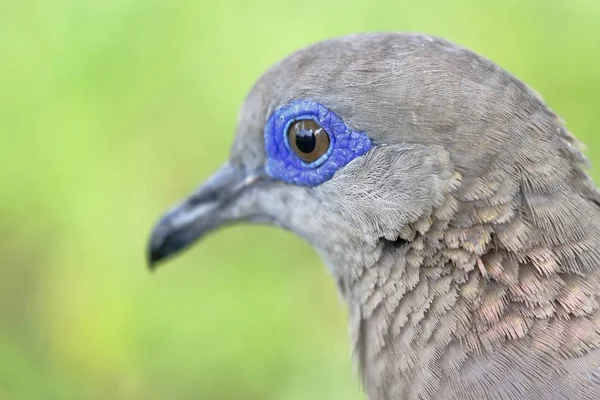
[308, 139]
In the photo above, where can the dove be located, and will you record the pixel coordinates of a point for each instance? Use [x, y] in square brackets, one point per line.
[450, 204]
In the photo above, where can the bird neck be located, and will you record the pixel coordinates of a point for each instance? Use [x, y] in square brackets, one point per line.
[503, 260]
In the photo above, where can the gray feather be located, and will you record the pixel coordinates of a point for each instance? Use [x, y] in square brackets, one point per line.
[466, 243]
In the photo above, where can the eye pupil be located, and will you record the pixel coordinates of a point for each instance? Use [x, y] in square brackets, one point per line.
[308, 140]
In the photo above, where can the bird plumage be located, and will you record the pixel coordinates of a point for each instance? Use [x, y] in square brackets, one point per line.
[465, 242]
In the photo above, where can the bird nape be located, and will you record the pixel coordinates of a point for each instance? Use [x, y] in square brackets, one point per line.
[450, 203]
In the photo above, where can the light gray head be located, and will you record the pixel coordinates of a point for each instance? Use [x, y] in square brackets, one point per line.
[467, 170]
[434, 111]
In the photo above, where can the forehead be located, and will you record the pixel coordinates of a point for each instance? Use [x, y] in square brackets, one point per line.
[324, 72]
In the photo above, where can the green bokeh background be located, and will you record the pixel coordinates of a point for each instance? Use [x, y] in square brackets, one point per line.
[111, 110]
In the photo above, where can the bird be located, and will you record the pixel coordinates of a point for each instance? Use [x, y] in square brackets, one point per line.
[450, 204]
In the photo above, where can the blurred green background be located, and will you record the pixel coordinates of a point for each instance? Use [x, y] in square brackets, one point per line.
[111, 110]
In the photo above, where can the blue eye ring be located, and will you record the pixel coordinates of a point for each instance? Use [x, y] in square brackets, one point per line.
[284, 164]
[319, 160]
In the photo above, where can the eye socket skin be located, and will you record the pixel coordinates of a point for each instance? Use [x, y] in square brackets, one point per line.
[288, 137]
[308, 140]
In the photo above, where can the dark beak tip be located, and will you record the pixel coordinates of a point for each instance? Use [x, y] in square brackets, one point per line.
[156, 251]
[153, 257]
[165, 242]
[152, 260]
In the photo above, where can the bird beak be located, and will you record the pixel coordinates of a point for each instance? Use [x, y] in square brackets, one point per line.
[201, 212]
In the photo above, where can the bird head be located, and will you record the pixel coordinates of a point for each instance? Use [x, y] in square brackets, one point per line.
[359, 142]
[344, 143]
[351, 142]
